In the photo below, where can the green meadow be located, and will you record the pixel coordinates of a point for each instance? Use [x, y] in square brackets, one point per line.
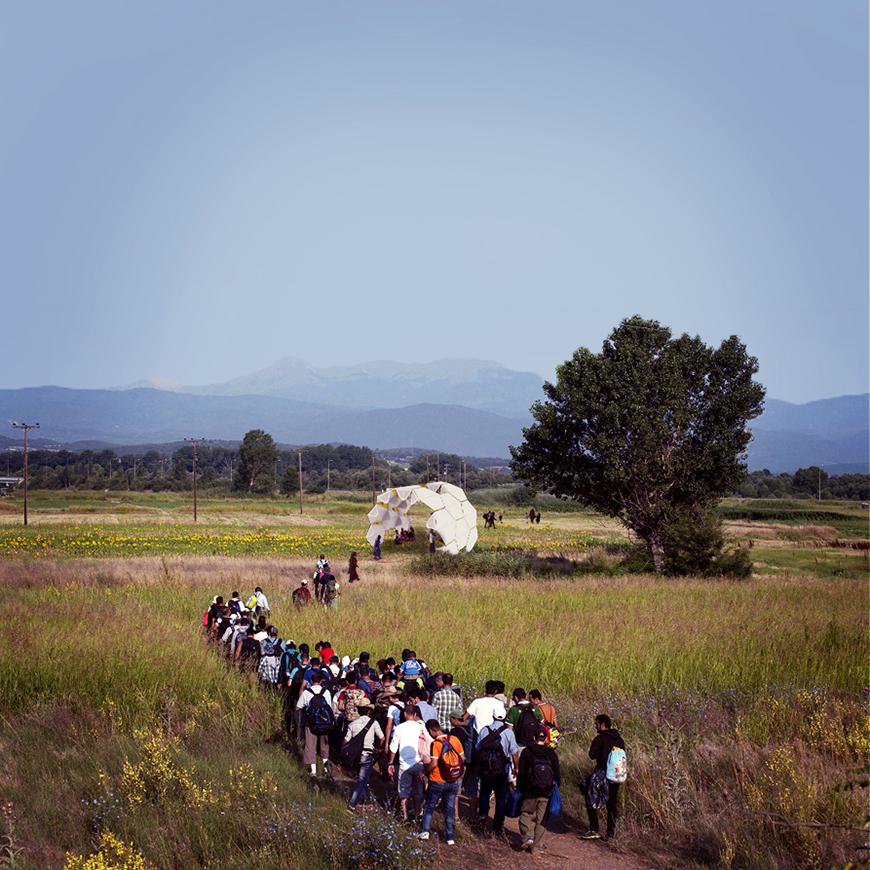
[742, 702]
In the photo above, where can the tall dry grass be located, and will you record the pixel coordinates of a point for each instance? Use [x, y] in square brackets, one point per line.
[741, 702]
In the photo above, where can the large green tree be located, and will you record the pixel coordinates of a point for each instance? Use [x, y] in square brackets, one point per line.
[649, 430]
[258, 457]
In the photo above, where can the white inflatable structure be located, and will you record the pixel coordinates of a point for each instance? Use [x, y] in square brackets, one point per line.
[453, 517]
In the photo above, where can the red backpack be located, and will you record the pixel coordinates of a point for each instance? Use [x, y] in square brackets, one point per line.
[450, 764]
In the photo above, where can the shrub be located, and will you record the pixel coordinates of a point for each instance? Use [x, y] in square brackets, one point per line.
[695, 544]
[507, 563]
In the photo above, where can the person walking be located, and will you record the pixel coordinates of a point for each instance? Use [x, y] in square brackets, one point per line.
[497, 763]
[538, 775]
[598, 785]
[352, 571]
[486, 709]
[445, 700]
[316, 704]
[301, 595]
[524, 717]
[408, 738]
[365, 723]
[376, 549]
[445, 766]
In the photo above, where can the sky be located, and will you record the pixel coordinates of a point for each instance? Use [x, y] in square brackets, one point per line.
[191, 191]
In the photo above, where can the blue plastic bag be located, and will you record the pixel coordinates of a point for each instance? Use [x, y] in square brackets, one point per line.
[514, 803]
[554, 807]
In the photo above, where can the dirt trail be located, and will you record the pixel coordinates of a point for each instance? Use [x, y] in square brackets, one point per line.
[480, 848]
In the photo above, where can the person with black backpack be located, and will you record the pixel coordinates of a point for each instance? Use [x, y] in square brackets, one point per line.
[525, 718]
[360, 749]
[497, 760]
[445, 766]
[316, 704]
[539, 774]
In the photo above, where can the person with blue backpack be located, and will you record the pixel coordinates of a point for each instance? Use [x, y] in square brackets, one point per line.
[601, 787]
[318, 719]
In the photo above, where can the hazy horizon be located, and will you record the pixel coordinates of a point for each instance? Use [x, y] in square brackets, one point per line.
[192, 192]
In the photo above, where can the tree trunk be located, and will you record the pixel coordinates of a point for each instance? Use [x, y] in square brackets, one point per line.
[656, 551]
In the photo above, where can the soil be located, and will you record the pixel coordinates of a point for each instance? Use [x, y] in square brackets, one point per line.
[478, 847]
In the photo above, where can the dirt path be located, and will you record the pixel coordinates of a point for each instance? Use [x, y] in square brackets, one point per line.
[480, 848]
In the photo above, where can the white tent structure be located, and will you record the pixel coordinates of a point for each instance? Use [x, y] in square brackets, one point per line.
[453, 517]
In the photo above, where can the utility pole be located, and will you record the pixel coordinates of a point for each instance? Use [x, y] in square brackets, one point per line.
[299, 452]
[328, 464]
[427, 469]
[820, 482]
[389, 475]
[373, 477]
[26, 427]
[194, 442]
[437, 466]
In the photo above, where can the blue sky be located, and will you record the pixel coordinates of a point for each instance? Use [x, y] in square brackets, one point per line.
[193, 190]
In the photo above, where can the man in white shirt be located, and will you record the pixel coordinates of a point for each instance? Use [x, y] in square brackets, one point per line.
[318, 717]
[262, 602]
[488, 708]
[411, 742]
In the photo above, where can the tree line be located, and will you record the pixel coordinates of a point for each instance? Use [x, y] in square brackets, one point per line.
[256, 467]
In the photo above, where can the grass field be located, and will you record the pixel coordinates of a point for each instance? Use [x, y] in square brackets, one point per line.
[743, 703]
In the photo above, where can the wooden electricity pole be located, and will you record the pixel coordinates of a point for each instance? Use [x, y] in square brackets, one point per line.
[373, 478]
[26, 427]
[194, 442]
[299, 452]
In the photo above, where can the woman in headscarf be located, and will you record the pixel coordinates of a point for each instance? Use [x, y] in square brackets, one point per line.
[352, 573]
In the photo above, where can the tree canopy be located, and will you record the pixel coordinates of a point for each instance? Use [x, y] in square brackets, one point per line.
[648, 430]
[258, 457]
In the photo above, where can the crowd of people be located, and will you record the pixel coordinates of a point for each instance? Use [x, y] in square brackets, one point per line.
[411, 725]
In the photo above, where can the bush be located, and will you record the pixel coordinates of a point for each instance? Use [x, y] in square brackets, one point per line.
[695, 544]
[507, 563]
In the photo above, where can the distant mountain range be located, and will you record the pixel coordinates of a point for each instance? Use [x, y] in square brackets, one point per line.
[472, 383]
[469, 407]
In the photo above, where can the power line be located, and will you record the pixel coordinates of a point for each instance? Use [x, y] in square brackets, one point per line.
[26, 427]
[194, 442]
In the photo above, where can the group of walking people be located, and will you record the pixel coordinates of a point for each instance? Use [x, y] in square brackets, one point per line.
[410, 725]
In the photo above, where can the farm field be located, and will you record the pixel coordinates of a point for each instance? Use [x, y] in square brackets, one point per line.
[743, 703]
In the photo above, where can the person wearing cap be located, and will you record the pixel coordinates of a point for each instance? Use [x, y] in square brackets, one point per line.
[301, 595]
[371, 748]
[461, 730]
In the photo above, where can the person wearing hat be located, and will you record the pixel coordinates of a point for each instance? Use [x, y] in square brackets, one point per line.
[372, 743]
[301, 595]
